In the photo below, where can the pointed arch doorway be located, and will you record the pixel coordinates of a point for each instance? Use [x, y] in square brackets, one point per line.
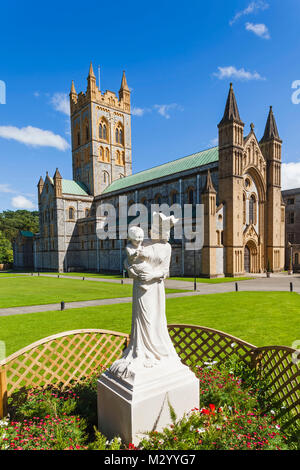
[247, 259]
[250, 257]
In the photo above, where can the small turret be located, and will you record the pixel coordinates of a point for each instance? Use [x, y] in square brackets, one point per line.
[124, 92]
[91, 81]
[57, 184]
[40, 186]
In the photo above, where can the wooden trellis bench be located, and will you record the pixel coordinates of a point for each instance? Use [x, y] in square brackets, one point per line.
[73, 355]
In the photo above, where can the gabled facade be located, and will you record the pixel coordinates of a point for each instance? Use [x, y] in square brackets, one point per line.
[239, 183]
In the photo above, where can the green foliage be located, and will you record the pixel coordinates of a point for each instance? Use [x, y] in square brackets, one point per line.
[66, 419]
[211, 429]
[6, 252]
[101, 442]
[13, 221]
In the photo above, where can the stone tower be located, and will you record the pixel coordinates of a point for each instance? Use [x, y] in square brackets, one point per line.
[101, 135]
[231, 141]
[271, 145]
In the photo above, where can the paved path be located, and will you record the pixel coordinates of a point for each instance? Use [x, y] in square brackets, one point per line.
[4, 312]
[277, 282]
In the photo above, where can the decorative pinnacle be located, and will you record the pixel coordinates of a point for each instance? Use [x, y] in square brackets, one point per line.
[91, 71]
[73, 91]
[124, 85]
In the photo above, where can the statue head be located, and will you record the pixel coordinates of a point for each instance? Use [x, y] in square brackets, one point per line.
[136, 235]
[161, 226]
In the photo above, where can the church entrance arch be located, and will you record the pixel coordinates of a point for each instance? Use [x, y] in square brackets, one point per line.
[250, 257]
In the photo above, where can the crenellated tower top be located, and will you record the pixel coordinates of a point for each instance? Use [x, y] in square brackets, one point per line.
[108, 98]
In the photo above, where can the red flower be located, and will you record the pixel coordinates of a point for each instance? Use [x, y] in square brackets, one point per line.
[212, 407]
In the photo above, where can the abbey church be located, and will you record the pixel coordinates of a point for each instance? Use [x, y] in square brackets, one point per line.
[239, 183]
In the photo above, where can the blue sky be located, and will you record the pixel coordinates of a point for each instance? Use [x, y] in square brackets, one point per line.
[179, 59]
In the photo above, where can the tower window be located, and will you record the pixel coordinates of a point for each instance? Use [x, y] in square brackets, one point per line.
[78, 138]
[119, 134]
[87, 133]
[102, 131]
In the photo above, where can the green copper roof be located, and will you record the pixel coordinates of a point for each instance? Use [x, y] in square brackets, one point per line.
[176, 166]
[74, 187]
[26, 233]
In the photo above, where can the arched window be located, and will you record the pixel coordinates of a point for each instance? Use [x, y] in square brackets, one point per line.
[123, 158]
[297, 258]
[71, 213]
[87, 212]
[174, 197]
[105, 177]
[87, 134]
[103, 134]
[158, 199]
[107, 155]
[78, 138]
[102, 154]
[191, 196]
[244, 208]
[252, 214]
[118, 158]
[119, 134]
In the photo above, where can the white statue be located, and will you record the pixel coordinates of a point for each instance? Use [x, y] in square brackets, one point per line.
[148, 264]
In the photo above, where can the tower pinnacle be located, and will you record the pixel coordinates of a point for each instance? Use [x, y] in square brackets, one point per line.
[231, 112]
[271, 131]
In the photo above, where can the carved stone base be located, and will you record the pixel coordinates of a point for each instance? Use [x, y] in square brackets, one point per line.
[129, 407]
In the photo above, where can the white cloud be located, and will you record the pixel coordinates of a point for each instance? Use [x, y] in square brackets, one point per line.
[238, 74]
[253, 7]
[260, 30]
[214, 142]
[60, 102]
[163, 109]
[290, 175]
[5, 188]
[21, 202]
[139, 111]
[34, 136]
[36, 94]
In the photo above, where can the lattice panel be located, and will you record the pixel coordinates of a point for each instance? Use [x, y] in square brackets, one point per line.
[196, 345]
[277, 364]
[64, 359]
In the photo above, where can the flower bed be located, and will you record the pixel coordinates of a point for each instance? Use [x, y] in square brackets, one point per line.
[231, 417]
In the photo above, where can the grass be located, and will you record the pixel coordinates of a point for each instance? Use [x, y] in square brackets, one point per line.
[218, 280]
[101, 276]
[24, 291]
[261, 318]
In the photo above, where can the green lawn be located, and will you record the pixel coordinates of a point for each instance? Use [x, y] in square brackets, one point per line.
[101, 276]
[23, 291]
[217, 280]
[261, 318]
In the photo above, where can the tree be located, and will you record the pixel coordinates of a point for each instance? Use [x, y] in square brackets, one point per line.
[13, 221]
[6, 252]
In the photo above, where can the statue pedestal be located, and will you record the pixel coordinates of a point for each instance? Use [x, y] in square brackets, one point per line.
[129, 407]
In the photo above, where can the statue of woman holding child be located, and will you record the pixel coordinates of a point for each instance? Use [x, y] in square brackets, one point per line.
[148, 265]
